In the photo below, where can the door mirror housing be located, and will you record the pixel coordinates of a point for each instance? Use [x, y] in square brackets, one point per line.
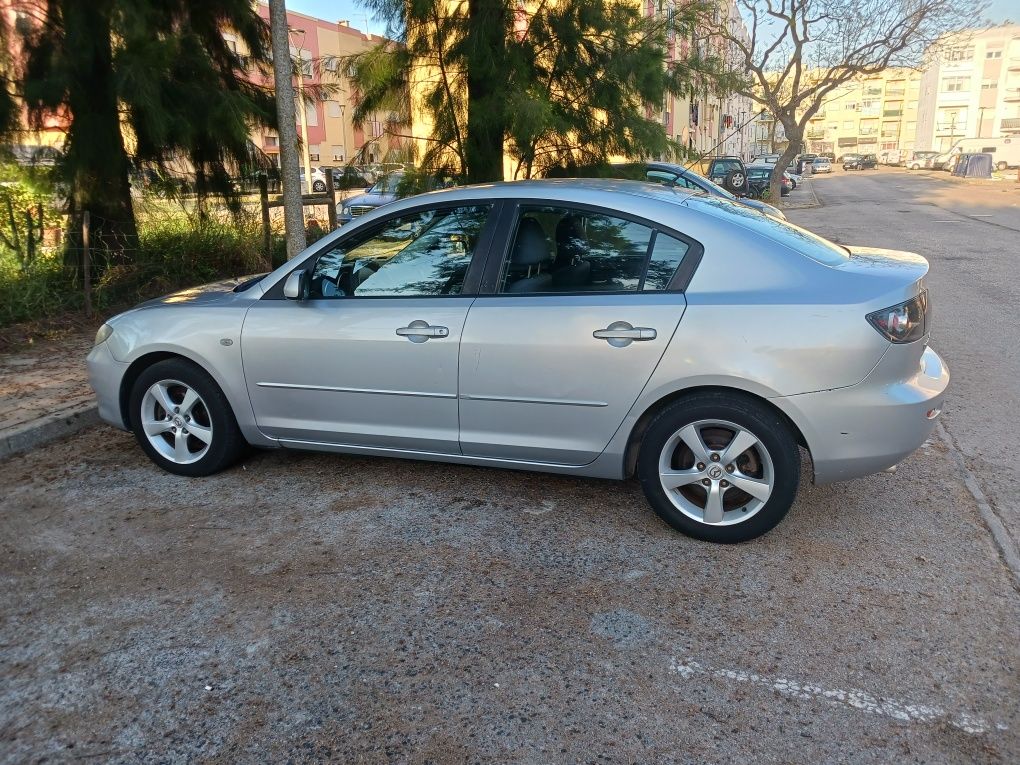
[298, 285]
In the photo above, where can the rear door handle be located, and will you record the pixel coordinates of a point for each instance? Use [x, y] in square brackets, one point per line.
[419, 331]
[621, 333]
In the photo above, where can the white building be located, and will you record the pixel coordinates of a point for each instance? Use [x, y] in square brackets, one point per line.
[970, 88]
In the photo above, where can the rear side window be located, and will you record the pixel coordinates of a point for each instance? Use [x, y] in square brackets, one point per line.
[796, 238]
[563, 250]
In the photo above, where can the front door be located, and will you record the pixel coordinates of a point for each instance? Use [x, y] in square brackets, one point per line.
[552, 363]
[370, 358]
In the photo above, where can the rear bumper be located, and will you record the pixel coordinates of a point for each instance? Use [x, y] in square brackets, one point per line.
[105, 376]
[871, 426]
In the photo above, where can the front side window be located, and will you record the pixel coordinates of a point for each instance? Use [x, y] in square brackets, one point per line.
[426, 253]
[564, 250]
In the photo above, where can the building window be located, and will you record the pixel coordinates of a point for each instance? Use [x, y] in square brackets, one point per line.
[333, 109]
[270, 141]
[993, 54]
[848, 125]
[313, 152]
[989, 85]
[850, 106]
[339, 155]
[955, 84]
[960, 54]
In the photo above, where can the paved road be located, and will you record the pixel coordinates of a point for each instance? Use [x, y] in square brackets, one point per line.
[969, 234]
[309, 607]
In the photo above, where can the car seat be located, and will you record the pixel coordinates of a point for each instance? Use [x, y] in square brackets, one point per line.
[531, 250]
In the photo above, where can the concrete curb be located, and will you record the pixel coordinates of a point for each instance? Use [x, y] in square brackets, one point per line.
[806, 188]
[48, 428]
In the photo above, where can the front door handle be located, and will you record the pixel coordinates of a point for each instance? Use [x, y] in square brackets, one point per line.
[620, 334]
[419, 331]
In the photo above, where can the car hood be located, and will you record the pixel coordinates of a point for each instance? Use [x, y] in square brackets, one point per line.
[372, 200]
[204, 294]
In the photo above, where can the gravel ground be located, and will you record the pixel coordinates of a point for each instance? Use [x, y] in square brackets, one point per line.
[310, 607]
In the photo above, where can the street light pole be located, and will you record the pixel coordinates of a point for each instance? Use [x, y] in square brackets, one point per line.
[299, 34]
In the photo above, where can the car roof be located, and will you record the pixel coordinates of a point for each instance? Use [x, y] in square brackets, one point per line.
[558, 189]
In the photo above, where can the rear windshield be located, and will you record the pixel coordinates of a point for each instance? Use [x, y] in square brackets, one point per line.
[725, 165]
[796, 238]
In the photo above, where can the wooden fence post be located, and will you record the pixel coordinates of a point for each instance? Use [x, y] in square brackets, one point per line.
[267, 234]
[331, 196]
[86, 231]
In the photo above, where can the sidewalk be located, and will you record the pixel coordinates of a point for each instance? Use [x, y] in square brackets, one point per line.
[44, 393]
[802, 197]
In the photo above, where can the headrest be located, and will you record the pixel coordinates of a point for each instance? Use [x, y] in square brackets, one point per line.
[531, 247]
[570, 239]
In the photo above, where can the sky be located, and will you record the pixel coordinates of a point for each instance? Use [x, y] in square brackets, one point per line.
[353, 11]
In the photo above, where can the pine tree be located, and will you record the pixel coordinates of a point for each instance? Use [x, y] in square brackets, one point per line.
[155, 77]
[552, 84]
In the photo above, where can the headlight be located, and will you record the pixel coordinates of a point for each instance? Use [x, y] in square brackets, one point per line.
[345, 210]
[103, 334]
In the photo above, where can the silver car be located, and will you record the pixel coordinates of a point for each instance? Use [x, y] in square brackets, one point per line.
[594, 328]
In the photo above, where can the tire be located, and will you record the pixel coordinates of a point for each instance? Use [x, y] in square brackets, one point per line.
[772, 460]
[173, 382]
[1000, 166]
[319, 186]
[736, 182]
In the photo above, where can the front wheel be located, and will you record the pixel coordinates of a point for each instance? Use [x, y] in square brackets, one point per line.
[719, 467]
[319, 186]
[182, 419]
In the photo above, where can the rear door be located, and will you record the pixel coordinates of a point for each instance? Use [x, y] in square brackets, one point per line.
[583, 303]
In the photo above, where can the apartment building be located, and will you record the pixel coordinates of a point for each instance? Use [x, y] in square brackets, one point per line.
[869, 115]
[971, 88]
[711, 123]
[333, 138]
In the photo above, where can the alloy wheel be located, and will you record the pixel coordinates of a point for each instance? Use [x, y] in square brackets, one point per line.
[176, 421]
[716, 472]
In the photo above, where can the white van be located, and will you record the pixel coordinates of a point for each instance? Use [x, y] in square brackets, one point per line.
[1005, 150]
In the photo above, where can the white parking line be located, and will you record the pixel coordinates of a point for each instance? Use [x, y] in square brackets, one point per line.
[852, 699]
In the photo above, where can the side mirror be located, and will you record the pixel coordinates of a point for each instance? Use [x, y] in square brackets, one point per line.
[298, 285]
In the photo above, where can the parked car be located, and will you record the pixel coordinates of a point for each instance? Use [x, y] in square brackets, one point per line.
[668, 174]
[382, 192]
[625, 328]
[890, 157]
[730, 173]
[803, 161]
[821, 165]
[349, 177]
[759, 177]
[921, 159]
[859, 161]
[942, 161]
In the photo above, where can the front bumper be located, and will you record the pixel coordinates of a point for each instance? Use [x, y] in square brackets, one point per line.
[869, 427]
[105, 376]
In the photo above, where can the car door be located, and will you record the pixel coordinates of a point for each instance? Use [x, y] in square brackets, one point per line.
[370, 357]
[581, 310]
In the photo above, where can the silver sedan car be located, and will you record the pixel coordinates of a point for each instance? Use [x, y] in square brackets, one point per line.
[593, 328]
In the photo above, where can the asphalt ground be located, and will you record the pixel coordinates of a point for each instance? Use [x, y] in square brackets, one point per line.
[318, 607]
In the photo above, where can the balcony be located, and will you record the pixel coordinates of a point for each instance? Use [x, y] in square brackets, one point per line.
[1012, 124]
[892, 113]
[895, 93]
[1012, 94]
[819, 115]
[815, 134]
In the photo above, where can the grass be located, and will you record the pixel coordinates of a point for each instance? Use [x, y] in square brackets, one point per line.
[175, 252]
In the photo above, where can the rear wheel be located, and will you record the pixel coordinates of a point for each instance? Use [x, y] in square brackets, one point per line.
[319, 186]
[182, 419]
[735, 182]
[719, 467]
[1000, 166]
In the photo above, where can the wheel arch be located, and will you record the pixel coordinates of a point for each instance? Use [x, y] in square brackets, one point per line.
[650, 412]
[138, 366]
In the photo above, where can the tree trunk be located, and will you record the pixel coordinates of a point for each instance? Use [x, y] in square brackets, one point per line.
[487, 29]
[293, 215]
[795, 140]
[96, 159]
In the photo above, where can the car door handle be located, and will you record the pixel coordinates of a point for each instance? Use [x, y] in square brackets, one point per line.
[621, 333]
[419, 331]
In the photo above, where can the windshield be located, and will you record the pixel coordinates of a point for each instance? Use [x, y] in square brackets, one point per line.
[725, 165]
[387, 185]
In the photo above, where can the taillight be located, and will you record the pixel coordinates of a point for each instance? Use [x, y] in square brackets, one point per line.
[905, 322]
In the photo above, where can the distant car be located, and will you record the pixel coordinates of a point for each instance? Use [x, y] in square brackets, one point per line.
[921, 159]
[730, 173]
[349, 177]
[803, 161]
[599, 328]
[381, 193]
[859, 161]
[942, 161]
[682, 177]
[760, 177]
[821, 165]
